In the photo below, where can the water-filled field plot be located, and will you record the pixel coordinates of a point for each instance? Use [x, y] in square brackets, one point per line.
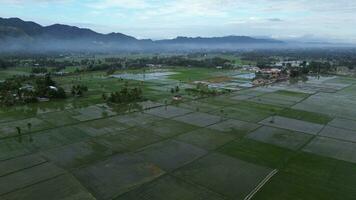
[170, 188]
[90, 113]
[225, 175]
[10, 128]
[339, 133]
[280, 137]
[19, 163]
[343, 123]
[27, 177]
[199, 106]
[199, 119]
[117, 175]
[78, 154]
[234, 126]
[168, 111]
[101, 127]
[280, 98]
[330, 104]
[332, 148]
[169, 128]
[206, 138]
[170, 154]
[136, 119]
[129, 139]
[58, 188]
[292, 124]
[10, 148]
[60, 118]
[53, 138]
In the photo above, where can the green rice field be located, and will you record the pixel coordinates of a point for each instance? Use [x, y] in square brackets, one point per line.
[276, 142]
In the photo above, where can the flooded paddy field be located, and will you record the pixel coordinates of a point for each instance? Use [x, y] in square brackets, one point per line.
[283, 141]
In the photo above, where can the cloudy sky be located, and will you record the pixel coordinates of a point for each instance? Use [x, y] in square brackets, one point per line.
[157, 19]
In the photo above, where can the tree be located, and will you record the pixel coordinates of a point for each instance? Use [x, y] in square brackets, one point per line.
[29, 126]
[104, 96]
[19, 134]
[165, 104]
[222, 114]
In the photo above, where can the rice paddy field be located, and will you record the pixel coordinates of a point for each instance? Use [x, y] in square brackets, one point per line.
[282, 141]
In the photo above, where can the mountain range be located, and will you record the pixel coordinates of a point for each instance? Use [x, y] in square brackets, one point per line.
[19, 35]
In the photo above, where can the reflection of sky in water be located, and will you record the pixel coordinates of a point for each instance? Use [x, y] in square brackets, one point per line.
[245, 76]
[320, 79]
[239, 81]
[147, 76]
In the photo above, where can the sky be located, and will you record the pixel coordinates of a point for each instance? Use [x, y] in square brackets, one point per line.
[334, 20]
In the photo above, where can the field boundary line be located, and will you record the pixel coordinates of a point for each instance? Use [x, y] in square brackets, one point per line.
[261, 184]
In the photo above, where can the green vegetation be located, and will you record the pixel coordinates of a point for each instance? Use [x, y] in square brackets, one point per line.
[312, 176]
[126, 95]
[128, 139]
[257, 152]
[305, 115]
[192, 74]
[202, 90]
[20, 90]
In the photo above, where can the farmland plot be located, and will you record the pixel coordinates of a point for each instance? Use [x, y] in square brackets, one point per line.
[332, 148]
[199, 119]
[206, 138]
[58, 188]
[168, 111]
[225, 175]
[170, 154]
[292, 124]
[170, 188]
[117, 175]
[280, 137]
[9, 128]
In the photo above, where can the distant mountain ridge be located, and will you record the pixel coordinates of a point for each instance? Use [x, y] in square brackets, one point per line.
[18, 35]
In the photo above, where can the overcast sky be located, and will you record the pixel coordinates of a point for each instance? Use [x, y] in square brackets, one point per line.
[157, 19]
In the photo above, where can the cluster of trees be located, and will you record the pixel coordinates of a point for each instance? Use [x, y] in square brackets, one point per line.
[6, 63]
[175, 90]
[39, 70]
[25, 89]
[50, 62]
[46, 87]
[314, 68]
[203, 90]
[78, 90]
[177, 61]
[11, 91]
[111, 64]
[125, 95]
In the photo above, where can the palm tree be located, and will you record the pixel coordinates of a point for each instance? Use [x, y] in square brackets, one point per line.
[165, 104]
[19, 134]
[222, 114]
[29, 126]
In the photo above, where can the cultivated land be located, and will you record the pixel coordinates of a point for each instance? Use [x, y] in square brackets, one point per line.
[283, 141]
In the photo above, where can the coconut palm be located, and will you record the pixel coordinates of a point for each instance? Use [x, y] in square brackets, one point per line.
[19, 134]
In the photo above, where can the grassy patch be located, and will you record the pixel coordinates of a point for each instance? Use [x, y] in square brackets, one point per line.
[192, 74]
[309, 176]
[305, 116]
[292, 94]
[257, 152]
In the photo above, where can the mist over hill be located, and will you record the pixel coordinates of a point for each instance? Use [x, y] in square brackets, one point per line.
[17, 35]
